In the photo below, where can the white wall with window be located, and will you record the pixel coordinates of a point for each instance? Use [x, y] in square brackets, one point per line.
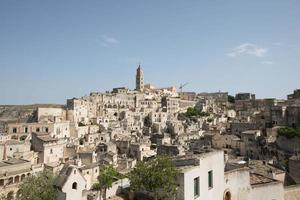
[204, 181]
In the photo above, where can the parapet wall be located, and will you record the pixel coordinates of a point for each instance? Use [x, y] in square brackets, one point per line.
[292, 192]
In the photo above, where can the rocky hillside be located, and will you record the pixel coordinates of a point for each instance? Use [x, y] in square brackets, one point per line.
[20, 113]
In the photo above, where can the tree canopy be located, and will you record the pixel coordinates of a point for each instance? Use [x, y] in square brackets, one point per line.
[9, 196]
[192, 114]
[289, 132]
[157, 177]
[105, 180]
[38, 187]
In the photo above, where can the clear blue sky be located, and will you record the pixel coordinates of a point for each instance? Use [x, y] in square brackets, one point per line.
[51, 50]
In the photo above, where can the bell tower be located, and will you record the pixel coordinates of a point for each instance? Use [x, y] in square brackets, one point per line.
[139, 84]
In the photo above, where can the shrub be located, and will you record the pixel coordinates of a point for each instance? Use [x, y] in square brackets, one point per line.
[289, 132]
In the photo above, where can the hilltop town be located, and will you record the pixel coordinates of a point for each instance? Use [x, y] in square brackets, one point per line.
[223, 147]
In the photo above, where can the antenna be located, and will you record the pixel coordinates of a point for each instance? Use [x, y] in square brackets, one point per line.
[182, 86]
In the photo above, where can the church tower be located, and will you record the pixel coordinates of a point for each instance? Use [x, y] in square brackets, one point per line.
[139, 79]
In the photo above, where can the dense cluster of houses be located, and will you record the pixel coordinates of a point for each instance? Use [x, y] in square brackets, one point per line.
[231, 152]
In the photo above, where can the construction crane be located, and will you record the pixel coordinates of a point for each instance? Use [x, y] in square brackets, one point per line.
[182, 86]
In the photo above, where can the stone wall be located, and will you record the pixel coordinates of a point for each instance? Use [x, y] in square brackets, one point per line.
[287, 144]
[292, 192]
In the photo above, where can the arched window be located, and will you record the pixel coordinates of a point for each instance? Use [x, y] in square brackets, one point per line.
[227, 195]
[17, 179]
[10, 180]
[74, 186]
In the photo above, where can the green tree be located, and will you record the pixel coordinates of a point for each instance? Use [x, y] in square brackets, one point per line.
[193, 112]
[289, 132]
[157, 177]
[3, 197]
[8, 196]
[39, 187]
[105, 180]
[231, 99]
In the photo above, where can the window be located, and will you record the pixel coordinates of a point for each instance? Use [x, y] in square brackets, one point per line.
[26, 130]
[196, 187]
[10, 180]
[1, 182]
[37, 129]
[46, 129]
[227, 196]
[210, 179]
[74, 186]
[51, 151]
[14, 130]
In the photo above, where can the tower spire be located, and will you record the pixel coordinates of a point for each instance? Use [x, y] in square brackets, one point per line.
[139, 79]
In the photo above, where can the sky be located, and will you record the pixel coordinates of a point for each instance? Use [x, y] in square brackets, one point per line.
[52, 50]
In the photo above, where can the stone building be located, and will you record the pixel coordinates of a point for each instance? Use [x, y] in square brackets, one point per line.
[50, 113]
[293, 116]
[57, 129]
[294, 166]
[13, 171]
[295, 95]
[16, 149]
[50, 150]
[240, 184]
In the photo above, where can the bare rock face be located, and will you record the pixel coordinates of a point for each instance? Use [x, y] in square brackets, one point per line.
[20, 113]
[16, 114]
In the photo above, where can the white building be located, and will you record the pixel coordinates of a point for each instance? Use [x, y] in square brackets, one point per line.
[201, 176]
[70, 184]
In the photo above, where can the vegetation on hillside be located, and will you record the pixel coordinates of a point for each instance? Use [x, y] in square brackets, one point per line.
[289, 132]
[9, 196]
[192, 113]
